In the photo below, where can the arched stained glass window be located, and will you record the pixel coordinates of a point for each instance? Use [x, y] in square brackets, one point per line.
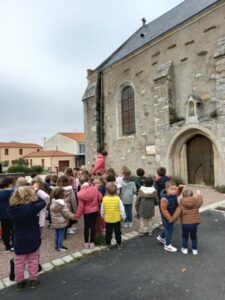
[128, 111]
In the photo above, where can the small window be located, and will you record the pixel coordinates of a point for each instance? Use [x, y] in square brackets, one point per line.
[6, 151]
[128, 111]
[43, 163]
[38, 150]
[31, 163]
[81, 148]
[21, 151]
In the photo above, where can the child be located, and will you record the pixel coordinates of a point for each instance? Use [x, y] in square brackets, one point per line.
[139, 181]
[102, 186]
[60, 216]
[168, 205]
[6, 224]
[145, 205]
[127, 192]
[161, 180]
[88, 205]
[53, 181]
[65, 183]
[112, 210]
[23, 211]
[40, 188]
[188, 211]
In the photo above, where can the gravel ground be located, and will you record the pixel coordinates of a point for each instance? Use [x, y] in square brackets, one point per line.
[75, 242]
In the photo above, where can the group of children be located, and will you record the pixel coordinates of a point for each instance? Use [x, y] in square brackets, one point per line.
[95, 197]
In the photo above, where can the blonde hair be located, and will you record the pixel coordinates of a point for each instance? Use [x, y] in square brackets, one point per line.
[23, 195]
[21, 181]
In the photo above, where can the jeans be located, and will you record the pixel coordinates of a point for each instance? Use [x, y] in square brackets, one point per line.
[32, 260]
[189, 230]
[167, 232]
[89, 227]
[7, 233]
[128, 211]
[110, 227]
[59, 237]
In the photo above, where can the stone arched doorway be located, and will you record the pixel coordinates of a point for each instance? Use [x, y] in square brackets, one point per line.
[194, 154]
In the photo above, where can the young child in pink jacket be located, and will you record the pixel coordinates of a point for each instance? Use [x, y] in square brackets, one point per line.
[88, 205]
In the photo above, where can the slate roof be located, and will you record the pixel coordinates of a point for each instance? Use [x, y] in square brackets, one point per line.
[158, 27]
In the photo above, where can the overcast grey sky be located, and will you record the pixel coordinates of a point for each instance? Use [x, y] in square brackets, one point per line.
[46, 46]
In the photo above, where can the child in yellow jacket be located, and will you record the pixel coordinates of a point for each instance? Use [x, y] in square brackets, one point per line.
[112, 210]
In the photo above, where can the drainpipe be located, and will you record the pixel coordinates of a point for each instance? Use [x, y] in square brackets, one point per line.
[102, 112]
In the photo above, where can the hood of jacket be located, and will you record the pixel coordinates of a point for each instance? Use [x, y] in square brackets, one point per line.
[147, 191]
[126, 183]
[68, 189]
[189, 202]
[87, 193]
[57, 205]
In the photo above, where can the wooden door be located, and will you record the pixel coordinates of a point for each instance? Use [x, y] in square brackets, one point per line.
[200, 160]
[63, 164]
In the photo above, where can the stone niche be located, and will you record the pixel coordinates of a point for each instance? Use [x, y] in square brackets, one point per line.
[193, 106]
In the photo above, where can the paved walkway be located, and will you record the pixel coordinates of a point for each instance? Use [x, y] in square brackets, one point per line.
[75, 242]
[142, 270]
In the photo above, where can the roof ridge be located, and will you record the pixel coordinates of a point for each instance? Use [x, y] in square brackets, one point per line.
[157, 27]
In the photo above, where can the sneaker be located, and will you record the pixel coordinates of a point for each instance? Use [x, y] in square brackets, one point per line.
[61, 250]
[34, 284]
[70, 231]
[125, 225]
[12, 249]
[63, 247]
[20, 285]
[161, 240]
[119, 247]
[184, 251]
[194, 252]
[130, 224]
[92, 245]
[86, 245]
[170, 248]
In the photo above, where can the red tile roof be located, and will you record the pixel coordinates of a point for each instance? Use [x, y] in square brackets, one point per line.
[77, 136]
[19, 145]
[55, 153]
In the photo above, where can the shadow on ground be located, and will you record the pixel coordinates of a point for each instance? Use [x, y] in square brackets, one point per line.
[142, 270]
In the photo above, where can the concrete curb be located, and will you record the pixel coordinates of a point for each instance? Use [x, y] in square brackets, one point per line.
[5, 282]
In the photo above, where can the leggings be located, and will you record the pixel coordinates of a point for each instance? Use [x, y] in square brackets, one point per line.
[89, 227]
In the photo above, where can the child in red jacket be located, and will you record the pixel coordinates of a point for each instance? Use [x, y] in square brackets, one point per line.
[89, 198]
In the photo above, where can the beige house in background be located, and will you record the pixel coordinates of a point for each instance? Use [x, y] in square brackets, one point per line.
[13, 151]
[69, 142]
[53, 161]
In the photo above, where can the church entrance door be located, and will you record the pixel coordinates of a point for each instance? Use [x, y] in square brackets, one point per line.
[200, 161]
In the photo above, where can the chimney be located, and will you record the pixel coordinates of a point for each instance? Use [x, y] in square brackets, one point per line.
[143, 22]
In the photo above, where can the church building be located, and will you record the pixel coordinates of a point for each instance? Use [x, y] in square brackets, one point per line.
[159, 99]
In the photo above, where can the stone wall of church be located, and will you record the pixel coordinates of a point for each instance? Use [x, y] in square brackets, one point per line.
[164, 75]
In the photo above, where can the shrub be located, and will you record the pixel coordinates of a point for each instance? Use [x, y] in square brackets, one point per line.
[25, 169]
[221, 188]
[36, 169]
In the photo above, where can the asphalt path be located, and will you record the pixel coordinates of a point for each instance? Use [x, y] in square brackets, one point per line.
[141, 270]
